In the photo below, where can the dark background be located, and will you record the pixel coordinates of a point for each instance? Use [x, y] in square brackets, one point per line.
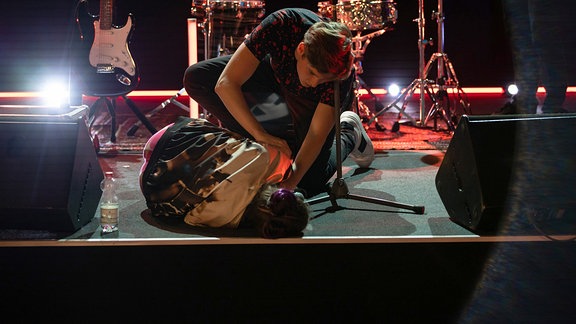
[35, 36]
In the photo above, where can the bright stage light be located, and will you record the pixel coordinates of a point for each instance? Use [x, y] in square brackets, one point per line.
[512, 89]
[55, 93]
[394, 89]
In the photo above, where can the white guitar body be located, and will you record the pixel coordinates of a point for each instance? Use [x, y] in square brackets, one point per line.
[110, 49]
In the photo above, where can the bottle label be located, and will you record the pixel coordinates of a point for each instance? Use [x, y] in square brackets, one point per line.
[109, 217]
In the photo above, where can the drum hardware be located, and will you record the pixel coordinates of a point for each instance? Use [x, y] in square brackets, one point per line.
[359, 45]
[446, 79]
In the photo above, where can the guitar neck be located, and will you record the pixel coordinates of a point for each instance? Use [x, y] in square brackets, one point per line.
[106, 7]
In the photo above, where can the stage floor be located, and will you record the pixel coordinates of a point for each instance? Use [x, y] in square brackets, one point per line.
[404, 176]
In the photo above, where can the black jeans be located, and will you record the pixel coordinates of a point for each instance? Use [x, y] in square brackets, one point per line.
[274, 108]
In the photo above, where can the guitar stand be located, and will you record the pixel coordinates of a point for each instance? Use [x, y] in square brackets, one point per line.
[172, 100]
[111, 105]
[339, 189]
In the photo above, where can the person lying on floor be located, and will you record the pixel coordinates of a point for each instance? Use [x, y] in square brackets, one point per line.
[212, 177]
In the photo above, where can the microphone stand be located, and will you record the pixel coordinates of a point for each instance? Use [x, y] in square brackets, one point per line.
[339, 189]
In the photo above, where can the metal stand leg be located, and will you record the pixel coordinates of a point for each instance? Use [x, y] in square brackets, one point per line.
[441, 107]
[111, 110]
[419, 83]
[339, 190]
[111, 105]
[172, 100]
[139, 114]
[363, 110]
[403, 97]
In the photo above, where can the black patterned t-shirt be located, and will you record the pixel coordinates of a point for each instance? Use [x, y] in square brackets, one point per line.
[278, 36]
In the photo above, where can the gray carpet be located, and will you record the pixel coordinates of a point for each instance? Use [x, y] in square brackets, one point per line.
[401, 176]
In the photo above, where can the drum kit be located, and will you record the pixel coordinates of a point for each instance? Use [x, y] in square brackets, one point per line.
[225, 25]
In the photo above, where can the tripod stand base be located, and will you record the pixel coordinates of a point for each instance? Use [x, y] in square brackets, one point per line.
[403, 97]
[339, 190]
[110, 103]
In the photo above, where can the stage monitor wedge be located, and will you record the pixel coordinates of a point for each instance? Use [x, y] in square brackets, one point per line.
[49, 169]
[492, 160]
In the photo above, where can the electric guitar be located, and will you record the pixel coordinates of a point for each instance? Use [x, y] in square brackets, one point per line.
[104, 66]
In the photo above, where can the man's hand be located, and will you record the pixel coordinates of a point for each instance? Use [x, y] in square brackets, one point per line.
[266, 139]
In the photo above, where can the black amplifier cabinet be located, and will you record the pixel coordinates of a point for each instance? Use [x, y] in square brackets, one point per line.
[49, 170]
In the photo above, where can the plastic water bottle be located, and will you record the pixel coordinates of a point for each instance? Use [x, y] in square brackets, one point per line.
[109, 204]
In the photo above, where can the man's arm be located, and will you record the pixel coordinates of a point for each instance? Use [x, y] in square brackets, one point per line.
[320, 127]
[239, 69]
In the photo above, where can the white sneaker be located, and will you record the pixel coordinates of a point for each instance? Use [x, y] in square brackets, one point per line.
[363, 153]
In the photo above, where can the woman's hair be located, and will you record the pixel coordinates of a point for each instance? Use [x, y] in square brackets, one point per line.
[277, 213]
[328, 48]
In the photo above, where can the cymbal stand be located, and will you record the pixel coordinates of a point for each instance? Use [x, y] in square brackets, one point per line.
[339, 189]
[446, 79]
[419, 83]
[359, 45]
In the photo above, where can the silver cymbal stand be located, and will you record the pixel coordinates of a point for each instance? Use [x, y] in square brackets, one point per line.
[446, 78]
[419, 83]
[359, 45]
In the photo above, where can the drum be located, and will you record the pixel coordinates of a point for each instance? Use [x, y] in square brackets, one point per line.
[227, 22]
[362, 14]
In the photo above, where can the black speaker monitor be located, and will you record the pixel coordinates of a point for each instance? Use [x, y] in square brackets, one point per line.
[492, 158]
[49, 169]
